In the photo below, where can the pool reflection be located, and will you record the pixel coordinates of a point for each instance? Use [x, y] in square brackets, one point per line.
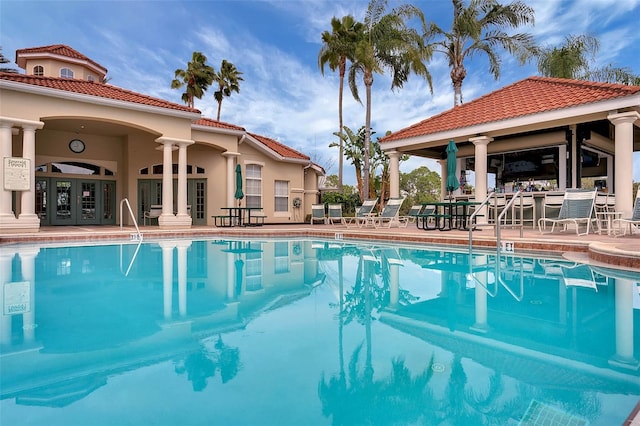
[501, 339]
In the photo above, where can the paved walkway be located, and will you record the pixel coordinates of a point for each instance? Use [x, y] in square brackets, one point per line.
[604, 250]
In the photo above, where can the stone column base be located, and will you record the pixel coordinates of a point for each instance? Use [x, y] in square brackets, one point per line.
[25, 223]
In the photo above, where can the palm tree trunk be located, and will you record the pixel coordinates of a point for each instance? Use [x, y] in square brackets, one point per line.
[368, 82]
[343, 67]
[219, 109]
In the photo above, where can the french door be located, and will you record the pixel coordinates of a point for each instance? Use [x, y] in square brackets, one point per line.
[67, 201]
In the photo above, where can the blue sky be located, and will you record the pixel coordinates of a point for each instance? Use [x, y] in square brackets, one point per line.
[275, 44]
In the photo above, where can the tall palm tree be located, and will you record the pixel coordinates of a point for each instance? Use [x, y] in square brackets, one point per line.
[196, 78]
[480, 28]
[228, 79]
[569, 60]
[338, 47]
[386, 43]
[573, 60]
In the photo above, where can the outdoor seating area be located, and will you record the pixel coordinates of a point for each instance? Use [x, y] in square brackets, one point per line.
[240, 216]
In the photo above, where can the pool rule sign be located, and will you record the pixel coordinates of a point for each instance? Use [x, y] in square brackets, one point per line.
[16, 174]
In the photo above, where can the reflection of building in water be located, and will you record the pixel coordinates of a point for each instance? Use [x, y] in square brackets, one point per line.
[67, 313]
[548, 324]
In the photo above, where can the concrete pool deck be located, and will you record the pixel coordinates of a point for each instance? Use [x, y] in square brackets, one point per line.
[599, 249]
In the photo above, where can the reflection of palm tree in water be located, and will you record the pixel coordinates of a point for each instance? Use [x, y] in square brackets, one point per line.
[203, 364]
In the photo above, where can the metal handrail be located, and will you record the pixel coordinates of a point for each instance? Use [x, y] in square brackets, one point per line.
[473, 216]
[507, 207]
[133, 218]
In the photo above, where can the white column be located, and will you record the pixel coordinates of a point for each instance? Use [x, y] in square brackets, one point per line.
[27, 259]
[480, 144]
[6, 257]
[182, 179]
[562, 167]
[28, 198]
[623, 123]
[623, 357]
[394, 173]
[167, 278]
[182, 247]
[231, 170]
[167, 180]
[481, 323]
[6, 214]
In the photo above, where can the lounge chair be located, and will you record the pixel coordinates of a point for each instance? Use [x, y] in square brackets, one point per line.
[317, 213]
[335, 214]
[413, 213]
[577, 207]
[363, 214]
[390, 215]
[633, 221]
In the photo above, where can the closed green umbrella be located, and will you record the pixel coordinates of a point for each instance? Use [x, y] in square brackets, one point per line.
[239, 195]
[452, 180]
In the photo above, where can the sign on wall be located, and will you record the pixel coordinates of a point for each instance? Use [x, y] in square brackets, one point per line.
[17, 172]
[17, 298]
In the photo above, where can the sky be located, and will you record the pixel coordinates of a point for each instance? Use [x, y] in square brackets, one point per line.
[275, 44]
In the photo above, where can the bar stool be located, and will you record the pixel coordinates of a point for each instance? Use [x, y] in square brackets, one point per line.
[528, 203]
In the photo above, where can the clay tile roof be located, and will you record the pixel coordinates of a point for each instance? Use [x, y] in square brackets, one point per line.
[57, 49]
[219, 124]
[281, 149]
[529, 96]
[100, 90]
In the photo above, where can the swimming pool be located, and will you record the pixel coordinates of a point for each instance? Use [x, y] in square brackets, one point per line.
[291, 332]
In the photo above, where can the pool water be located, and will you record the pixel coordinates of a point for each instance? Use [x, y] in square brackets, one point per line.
[309, 332]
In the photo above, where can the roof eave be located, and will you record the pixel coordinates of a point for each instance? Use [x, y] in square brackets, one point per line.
[219, 130]
[273, 154]
[502, 126]
[72, 96]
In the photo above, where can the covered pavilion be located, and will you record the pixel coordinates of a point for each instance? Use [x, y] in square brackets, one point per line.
[538, 128]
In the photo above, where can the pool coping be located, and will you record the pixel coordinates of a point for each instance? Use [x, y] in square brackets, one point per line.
[615, 253]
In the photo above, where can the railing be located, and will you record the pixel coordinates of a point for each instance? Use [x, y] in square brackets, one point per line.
[134, 237]
[498, 225]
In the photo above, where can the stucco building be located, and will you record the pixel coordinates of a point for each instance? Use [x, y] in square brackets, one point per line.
[80, 146]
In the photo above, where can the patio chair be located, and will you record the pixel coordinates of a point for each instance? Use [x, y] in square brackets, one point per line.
[363, 214]
[413, 213]
[551, 205]
[577, 208]
[335, 214]
[390, 215]
[154, 213]
[633, 221]
[317, 214]
[579, 275]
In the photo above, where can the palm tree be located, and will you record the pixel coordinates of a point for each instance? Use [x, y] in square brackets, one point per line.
[197, 78]
[479, 28]
[339, 47]
[228, 79]
[573, 60]
[570, 60]
[386, 43]
[353, 145]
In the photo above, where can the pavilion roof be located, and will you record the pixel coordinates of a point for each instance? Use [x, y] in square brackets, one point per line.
[530, 96]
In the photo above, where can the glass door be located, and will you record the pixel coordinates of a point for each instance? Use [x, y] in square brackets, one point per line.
[88, 202]
[63, 202]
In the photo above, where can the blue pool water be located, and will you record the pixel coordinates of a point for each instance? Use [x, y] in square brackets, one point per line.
[302, 332]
